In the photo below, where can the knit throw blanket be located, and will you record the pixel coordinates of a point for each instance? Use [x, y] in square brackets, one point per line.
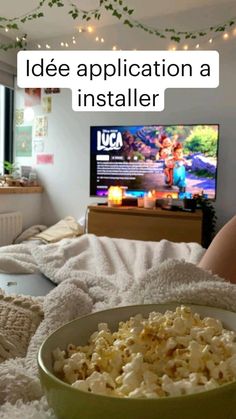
[21, 395]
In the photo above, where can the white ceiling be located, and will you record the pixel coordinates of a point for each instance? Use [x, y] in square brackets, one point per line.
[57, 26]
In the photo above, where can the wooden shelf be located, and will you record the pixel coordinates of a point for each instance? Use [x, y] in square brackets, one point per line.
[4, 190]
[145, 224]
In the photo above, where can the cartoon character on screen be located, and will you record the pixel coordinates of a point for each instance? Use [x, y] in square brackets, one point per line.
[166, 146]
[158, 141]
[165, 152]
[175, 170]
[166, 149]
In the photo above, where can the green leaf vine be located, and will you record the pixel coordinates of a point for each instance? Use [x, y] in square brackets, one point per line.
[118, 8]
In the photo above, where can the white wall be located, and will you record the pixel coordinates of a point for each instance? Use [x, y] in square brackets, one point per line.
[67, 181]
[29, 204]
[7, 57]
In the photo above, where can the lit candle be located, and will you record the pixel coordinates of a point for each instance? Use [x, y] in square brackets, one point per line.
[149, 200]
[141, 202]
[115, 196]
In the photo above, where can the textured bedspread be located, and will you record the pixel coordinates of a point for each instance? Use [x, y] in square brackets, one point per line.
[98, 255]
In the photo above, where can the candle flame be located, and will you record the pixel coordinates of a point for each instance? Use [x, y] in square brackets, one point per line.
[115, 195]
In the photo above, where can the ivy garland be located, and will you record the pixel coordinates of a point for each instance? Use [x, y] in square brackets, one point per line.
[118, 9]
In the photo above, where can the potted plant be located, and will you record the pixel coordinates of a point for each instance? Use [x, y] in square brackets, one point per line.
[13, 172]
[209, 220]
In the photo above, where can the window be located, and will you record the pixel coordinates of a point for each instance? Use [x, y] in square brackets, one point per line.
[2, 123]
[6, 125]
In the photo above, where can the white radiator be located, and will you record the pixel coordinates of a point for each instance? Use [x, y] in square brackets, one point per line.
[10, 227]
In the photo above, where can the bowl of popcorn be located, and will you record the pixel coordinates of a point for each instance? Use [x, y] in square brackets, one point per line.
[155, 361]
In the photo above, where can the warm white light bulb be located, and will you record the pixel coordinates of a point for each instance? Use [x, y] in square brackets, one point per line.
[102, 40]
[6, 29]
[226, 35]
[66, 45]
[114, 48]
[210, 41]
[47, 46]
[62, 44]
[185, 47]
[97, 39]
[197, 46]
[74, 41]
[90, 29]
[39, 46]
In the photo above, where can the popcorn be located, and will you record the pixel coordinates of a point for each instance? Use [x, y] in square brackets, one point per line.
[168, 354]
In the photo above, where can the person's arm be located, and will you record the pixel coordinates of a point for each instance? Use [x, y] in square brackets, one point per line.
[220, 257]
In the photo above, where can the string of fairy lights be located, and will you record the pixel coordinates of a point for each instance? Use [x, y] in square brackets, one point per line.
[212, 41]
[118, 9]
[74, 40]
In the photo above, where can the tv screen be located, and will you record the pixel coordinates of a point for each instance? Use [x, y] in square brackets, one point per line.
[176, 160]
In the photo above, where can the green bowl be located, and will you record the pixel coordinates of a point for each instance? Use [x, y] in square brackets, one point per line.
[71, 403]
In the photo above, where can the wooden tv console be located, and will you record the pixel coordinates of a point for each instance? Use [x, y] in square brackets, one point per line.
[145, 224]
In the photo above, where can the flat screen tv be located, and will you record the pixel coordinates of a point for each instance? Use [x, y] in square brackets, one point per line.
[176, 160]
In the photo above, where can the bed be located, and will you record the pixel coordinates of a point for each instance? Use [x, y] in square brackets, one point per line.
[82, 275]
[33, 267]
[29, 284]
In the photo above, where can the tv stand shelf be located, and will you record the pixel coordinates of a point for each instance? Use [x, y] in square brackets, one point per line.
[145, 224]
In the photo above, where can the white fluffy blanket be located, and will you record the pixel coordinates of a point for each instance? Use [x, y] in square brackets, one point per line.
[98, 255]
[96, 274]
[20, 392]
